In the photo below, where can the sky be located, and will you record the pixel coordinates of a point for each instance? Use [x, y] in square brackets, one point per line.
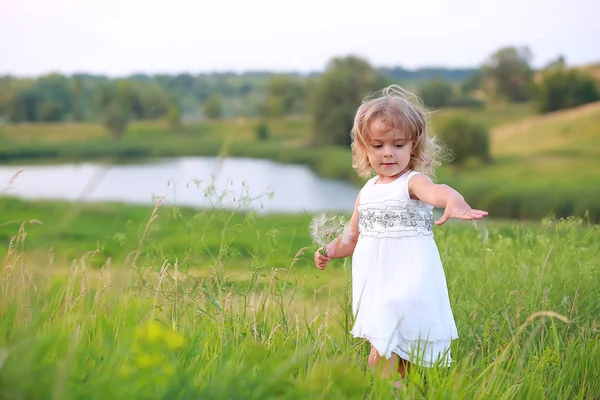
[121, 37]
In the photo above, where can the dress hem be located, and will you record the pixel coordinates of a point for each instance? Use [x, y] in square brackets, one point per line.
[443, 361]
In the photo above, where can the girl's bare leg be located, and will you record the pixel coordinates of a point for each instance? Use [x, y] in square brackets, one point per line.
[384, 367]
[403, 366]
[374, 358]
[378, 364]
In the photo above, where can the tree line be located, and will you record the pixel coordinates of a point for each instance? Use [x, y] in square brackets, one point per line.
[330, 96]
[506, 76]
[83, 97]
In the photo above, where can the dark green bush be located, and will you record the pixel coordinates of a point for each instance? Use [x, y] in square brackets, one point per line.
[436, 93]
[466, 139]
[261, 131]
[561, 88]
[466, 102]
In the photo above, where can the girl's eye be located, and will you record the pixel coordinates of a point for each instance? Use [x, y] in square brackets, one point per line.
[399, 146]
[378, 146]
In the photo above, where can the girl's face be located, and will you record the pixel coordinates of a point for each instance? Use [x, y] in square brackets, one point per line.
[389, 152]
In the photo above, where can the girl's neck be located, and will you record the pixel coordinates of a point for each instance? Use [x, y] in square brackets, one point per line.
[384, 180]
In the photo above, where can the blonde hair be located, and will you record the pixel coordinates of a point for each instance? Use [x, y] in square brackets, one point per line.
[396, 109]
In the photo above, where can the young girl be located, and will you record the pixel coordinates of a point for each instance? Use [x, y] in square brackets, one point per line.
[399, 294]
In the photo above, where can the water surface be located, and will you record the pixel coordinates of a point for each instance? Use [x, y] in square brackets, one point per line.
[204, 182]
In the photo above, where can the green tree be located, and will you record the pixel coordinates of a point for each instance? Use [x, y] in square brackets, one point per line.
[104, 96]
[212, 107]
[285, 94]
[6, 93]
[22, 105]
[508, 73]
[127, 96]
[436, 93]
[336, 96]
[471, 84]
[262, 131]
[584, 89]
[174, 117]
[139, 98]
[116, 120]
[77, 89]
[48, 111]
[558, 62]
[560, 88]
[54, 92]
[466, 139]
[154, 101]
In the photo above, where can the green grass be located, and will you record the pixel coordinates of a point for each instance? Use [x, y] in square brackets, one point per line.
[113, 301]
[64, 231]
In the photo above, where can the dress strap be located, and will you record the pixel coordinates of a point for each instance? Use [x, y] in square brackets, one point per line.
[372, 181]
[407, 179]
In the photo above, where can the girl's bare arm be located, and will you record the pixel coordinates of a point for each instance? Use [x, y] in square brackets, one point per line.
[443, 196]
[337, 249]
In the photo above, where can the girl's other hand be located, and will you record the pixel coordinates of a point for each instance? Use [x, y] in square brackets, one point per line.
[321, 260]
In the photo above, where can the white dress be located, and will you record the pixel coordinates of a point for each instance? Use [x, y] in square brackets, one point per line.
[399, 293]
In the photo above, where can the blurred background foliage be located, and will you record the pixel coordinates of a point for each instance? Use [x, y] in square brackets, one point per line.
[523, 141]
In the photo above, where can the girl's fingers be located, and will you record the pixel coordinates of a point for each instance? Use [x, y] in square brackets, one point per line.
[321, 260]
[479, 214]
[469, 214]
[473, 214]
[443, 219]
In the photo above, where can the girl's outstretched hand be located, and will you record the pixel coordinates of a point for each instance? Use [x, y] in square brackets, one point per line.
[458, 208]
[321, 260]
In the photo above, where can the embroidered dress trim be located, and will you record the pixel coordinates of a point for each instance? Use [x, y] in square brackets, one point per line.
[395, 218]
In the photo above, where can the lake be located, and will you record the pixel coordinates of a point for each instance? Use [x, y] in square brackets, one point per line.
[204, 182]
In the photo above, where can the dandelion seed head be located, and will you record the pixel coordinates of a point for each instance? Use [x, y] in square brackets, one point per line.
[346, 234]
[324, 229]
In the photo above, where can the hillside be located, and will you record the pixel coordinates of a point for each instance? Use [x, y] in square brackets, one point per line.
[560, 148]
[574, 132]
[593, 70]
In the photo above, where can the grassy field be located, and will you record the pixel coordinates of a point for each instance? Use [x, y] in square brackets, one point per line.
[113, 301]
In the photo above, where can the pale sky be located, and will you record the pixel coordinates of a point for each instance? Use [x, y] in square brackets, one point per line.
[120, 37]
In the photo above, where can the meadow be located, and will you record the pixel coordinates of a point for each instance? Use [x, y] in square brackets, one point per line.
[119, 301]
